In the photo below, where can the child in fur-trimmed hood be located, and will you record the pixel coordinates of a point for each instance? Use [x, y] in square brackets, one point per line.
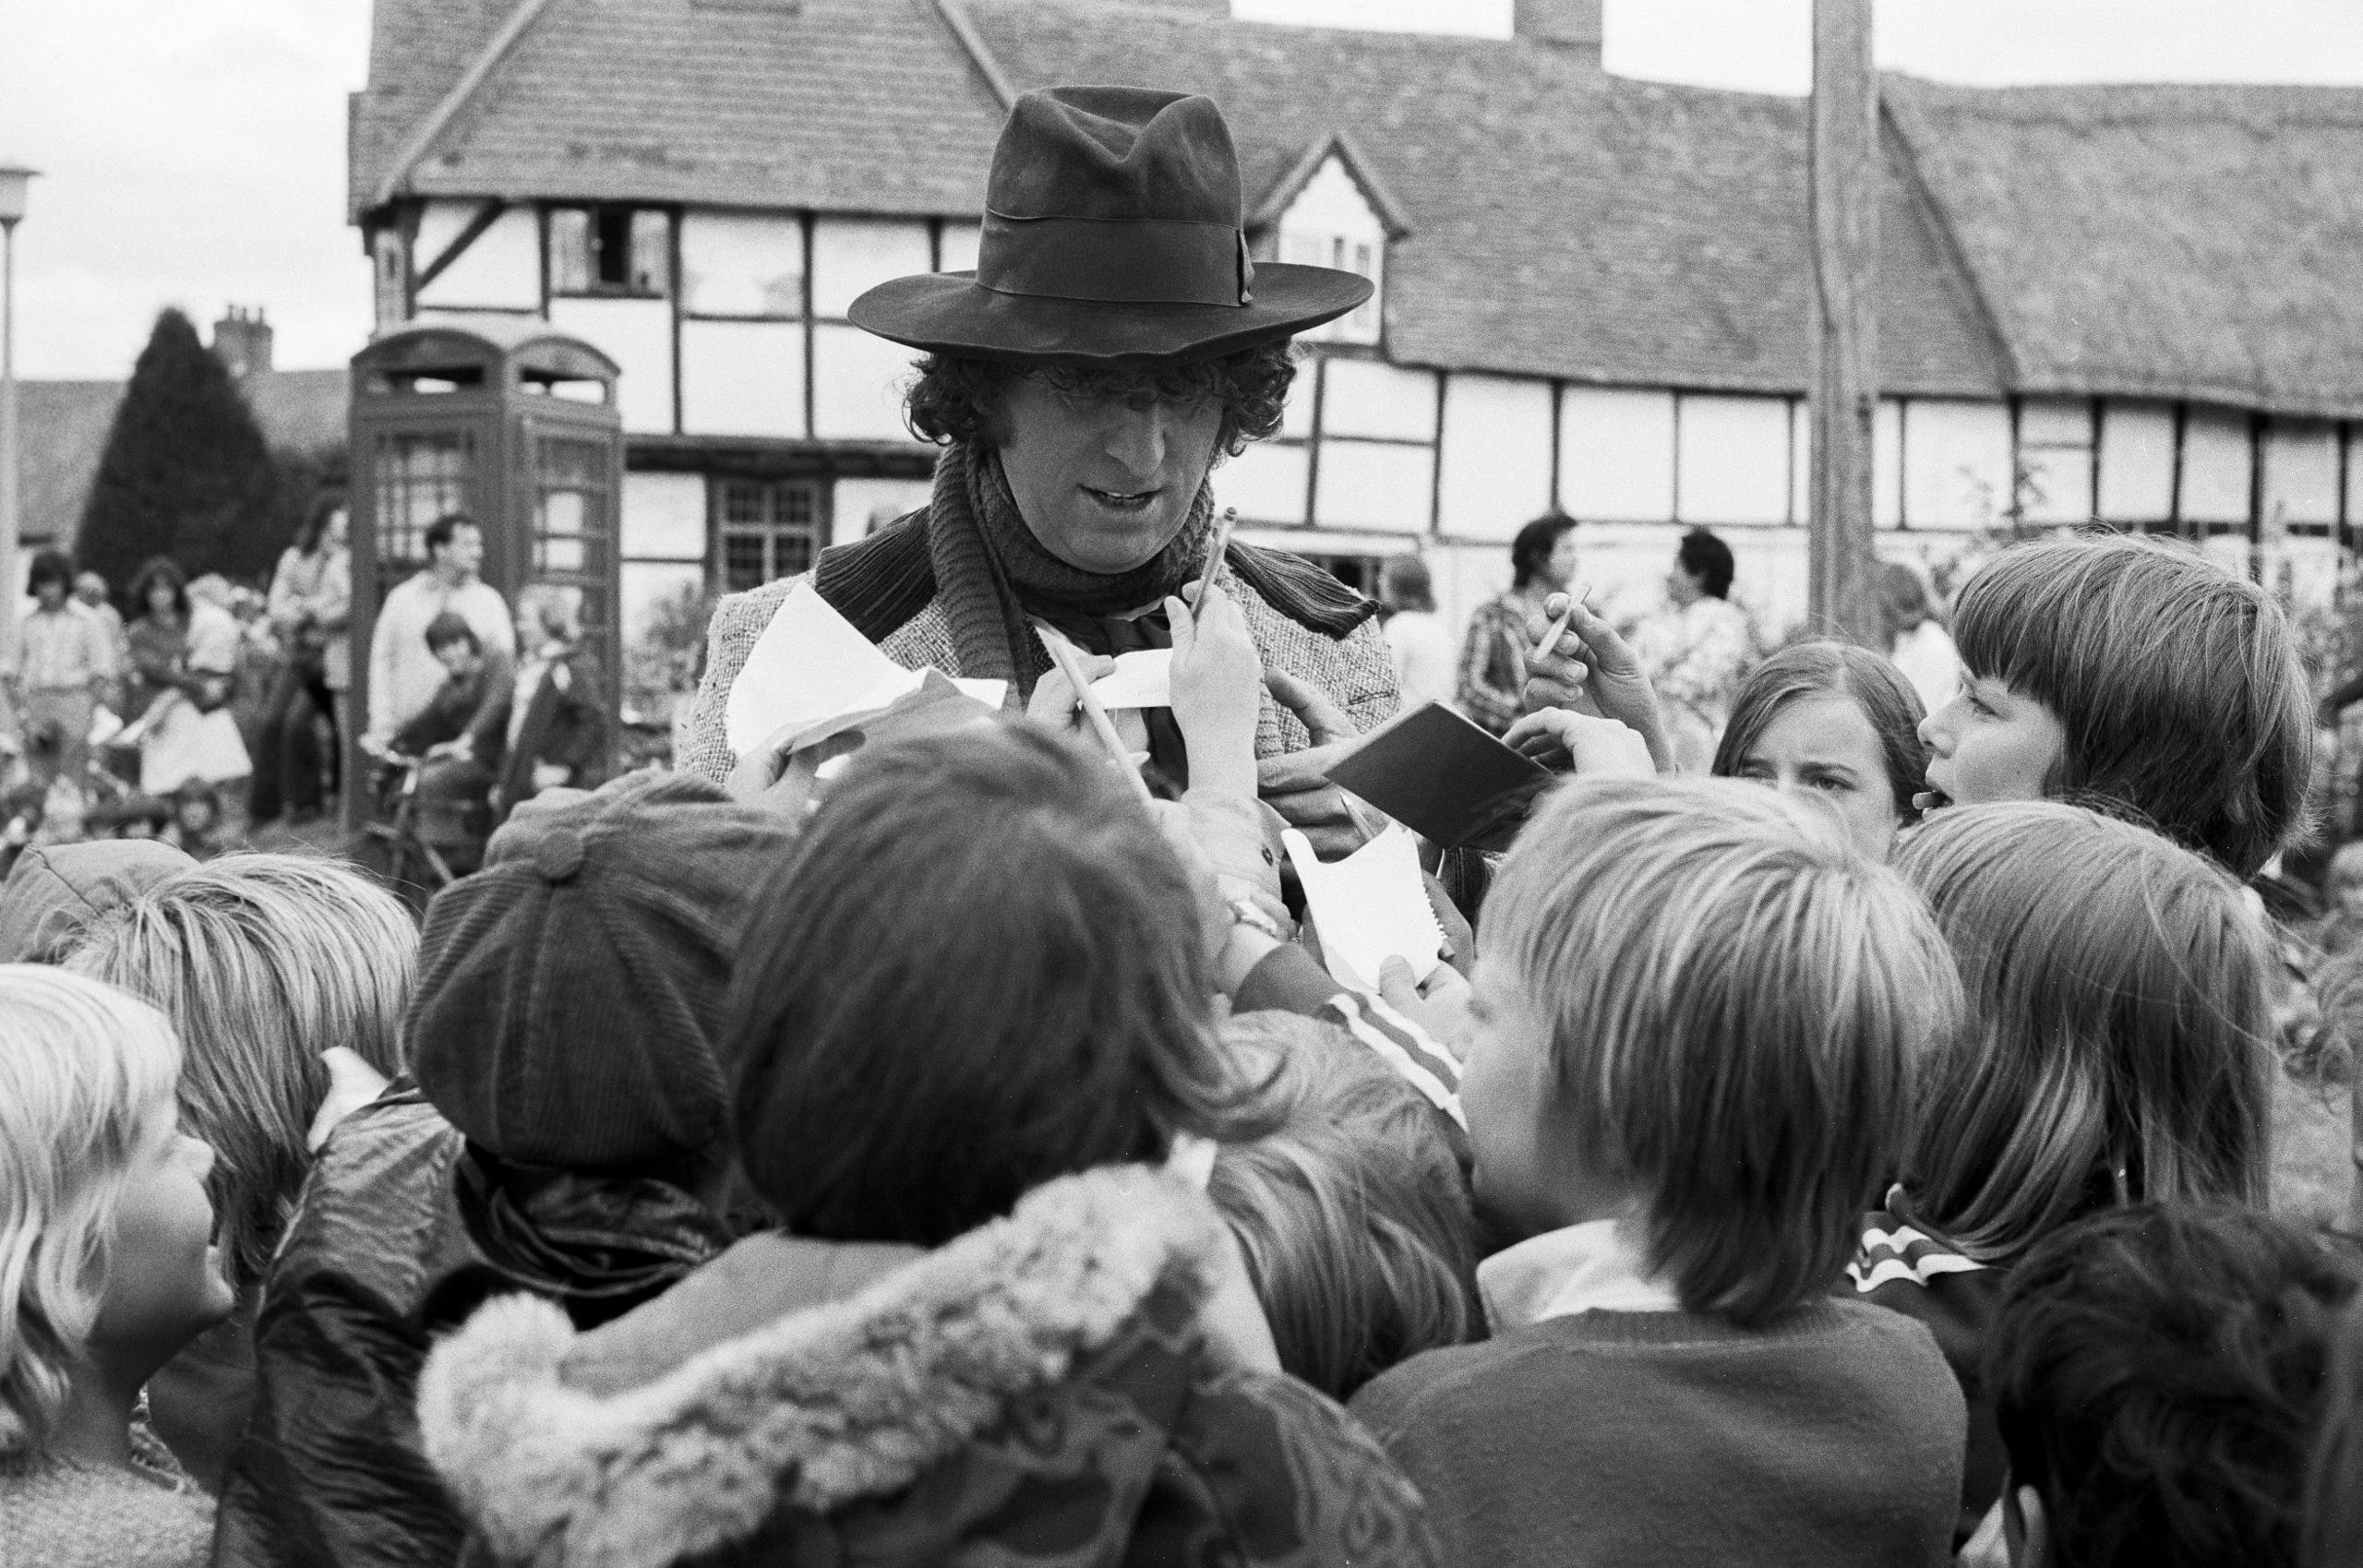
[972, 1019]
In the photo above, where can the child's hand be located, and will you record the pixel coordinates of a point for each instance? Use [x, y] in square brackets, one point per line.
[1578, 743]
[1054, 701]
[1217, 691]
[1593, 670]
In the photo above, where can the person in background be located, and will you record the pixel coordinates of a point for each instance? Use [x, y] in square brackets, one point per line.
[311, 599]
[91, 592]
[2334, 1471]
[1693, 1045]
[104, 1249]
[1697, 650]
[2158, 1377]
[549, 730]
[275, 970]
[58, 668]
[187, 648]
[1916, 638]
[1493, 654]
[1424, 666]
[1833, 722]
[405, 674]
[2340, 929]
[1353, 1210]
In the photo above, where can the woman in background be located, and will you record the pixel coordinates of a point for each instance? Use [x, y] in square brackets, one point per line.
[1424, 666]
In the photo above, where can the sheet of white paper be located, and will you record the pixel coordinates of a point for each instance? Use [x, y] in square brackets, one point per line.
[1369, 907]
[1142, 678]
[811, 665]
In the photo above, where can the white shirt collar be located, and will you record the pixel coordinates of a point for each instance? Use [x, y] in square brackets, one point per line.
[1595, 1266]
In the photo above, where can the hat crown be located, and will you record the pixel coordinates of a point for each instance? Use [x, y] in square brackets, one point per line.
[1116, 153]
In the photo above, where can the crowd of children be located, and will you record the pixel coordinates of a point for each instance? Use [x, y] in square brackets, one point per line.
[1856, 1154]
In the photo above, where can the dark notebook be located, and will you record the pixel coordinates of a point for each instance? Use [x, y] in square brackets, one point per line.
[1444, 778]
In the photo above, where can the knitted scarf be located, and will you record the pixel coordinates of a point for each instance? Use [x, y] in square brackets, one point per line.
[991, 572]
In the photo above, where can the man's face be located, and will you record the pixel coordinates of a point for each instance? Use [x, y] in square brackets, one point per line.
[460, 656]
[464, 556]
[1104, 482]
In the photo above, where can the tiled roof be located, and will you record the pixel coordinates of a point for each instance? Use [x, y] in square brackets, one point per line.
[2198, 242]
[1564, 222]
[846, 105]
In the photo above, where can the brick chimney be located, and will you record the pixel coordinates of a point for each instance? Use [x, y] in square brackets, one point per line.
[1571, 26]
[242, 341]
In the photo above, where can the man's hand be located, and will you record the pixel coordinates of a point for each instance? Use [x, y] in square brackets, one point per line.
[1586, 746]
[1593, 670]
[1296, 784]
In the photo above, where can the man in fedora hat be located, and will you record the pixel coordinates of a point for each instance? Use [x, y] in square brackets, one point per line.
[1113, 344]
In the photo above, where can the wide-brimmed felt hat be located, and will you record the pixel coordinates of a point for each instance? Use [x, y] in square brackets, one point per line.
[1111, 232]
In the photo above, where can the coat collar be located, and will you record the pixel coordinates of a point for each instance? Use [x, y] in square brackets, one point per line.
[817, 1408]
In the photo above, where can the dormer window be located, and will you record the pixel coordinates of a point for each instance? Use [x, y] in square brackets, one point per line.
[1331, 212]
[611, 250]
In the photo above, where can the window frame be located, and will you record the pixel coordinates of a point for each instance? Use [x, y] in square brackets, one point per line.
[721, 528]
[595, 287]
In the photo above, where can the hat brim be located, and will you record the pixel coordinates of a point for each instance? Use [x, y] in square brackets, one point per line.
[951, 313]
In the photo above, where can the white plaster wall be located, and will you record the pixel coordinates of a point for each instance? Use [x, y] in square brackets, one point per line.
[664, 517]
[2055, 449]
[1496, 455]
[860, 507]
[1296, 415]
[1616, 454]
[2301, 471]
[857, 383]
[742, 377]
[743, 264]
[501, 268]
[2215, 466]
[2355, 478]
[638, 335]
[1370, 484]
[1956, 462]
[1369, 397]
[960, 241]
[1330, 209]
[1734, 460]
[2136, 461]
[1886, 464]
[1265, 482]
[850, 255]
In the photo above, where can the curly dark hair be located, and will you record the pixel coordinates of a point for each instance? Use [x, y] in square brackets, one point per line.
[956, 399]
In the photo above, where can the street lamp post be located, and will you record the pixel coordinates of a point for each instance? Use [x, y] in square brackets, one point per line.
[13, 182]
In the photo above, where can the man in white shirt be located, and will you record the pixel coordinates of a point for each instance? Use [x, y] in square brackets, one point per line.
[405, 675]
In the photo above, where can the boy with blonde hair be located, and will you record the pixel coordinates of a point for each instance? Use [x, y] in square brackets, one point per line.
[1696, 1026]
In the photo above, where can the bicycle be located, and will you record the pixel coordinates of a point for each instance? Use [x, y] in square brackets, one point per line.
[394, 844]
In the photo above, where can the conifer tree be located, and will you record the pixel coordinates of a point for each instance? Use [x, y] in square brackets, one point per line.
[186, 472]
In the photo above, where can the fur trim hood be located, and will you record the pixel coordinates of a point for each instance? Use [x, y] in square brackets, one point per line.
[817, 1409]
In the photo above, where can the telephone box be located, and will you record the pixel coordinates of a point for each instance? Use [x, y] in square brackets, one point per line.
[511, 422]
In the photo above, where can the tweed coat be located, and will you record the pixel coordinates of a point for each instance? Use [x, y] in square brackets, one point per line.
[1357, 670]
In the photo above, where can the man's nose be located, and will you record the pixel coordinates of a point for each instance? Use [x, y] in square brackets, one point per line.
[1138, 437]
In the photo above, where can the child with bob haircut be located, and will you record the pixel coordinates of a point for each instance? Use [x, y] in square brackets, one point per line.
[1836, 723]
[105, 1272]
[2135, 670]
[1353, 1211]
[2159, 1373]
[1694, 1043]
[2117, 1048]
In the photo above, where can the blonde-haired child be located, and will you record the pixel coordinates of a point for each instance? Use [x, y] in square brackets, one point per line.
[1697, 1020]
[1353, 1211]
[2117, 1048]
[2135, 670]
[105, 1272]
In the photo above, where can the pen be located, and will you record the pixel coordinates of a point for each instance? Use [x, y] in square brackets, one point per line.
[1063, 657]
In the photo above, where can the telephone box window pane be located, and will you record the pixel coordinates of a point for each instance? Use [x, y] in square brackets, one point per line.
[768, 529]
[419, 478]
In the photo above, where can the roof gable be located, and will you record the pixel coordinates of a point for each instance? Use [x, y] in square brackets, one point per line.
[1337, 148]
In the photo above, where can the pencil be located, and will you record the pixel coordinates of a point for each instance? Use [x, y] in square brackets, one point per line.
[1063, 656]
[1575, 597]
[1214, 548]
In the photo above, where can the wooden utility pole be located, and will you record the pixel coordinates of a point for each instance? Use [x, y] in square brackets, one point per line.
[1842, 197]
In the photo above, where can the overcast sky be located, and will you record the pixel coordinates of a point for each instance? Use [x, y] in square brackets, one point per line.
[194, 149]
